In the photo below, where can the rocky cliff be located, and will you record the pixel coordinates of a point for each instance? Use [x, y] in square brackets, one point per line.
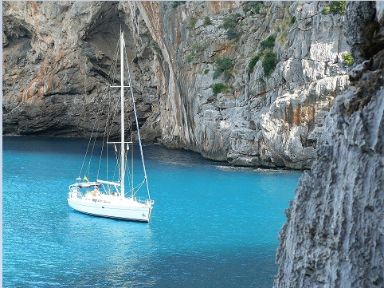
[334, 236]
[249, 83]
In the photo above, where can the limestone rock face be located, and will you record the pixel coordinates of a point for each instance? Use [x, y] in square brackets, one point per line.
[334, 236]
[248, 83]
[57, 57]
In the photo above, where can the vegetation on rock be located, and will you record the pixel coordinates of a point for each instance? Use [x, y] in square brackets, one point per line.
[192, 23]
[207, 21]
[338, 7]
[266, 54]
[268, 43]
[230, 21]
[252, 62]
[219, 88]
[230, 24]
[269, 62]
[199, 47]
[348, 59]
[326, 10]
[196, 50]
[252, 7]
[233, 33]
[223, 66]
[335, 7]
[190, 57]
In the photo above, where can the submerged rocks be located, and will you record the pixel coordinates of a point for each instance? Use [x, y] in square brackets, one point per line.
[244, 82]
[334, 235]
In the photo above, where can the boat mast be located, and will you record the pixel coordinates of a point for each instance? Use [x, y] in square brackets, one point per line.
[122, 151]
[138, 134]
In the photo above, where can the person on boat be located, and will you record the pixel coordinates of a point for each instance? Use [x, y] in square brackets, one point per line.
[96, 192]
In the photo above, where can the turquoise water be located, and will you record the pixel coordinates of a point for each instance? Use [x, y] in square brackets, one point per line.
[212, 225]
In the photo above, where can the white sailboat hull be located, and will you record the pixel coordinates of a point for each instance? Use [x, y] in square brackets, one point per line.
[129, 210]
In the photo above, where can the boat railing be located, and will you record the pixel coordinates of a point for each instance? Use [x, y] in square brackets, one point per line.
[73, 188]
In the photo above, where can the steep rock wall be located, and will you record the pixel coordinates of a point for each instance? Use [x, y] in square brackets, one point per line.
[57, 57]
[55, 81]
[334, 236]
[260, 120]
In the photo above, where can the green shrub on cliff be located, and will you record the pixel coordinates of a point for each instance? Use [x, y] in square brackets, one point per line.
[207, 21]
[348, 59]
[269, 42]
[269, 62]
[230, 24]
[335, 7]
[338, 7]
[266, 55]
[190, 57]
[326, 10]
[233, 33]
[223, 66]
[252, 7]
[219, 88]
[230, 21]
[192, 23]
[253, 62]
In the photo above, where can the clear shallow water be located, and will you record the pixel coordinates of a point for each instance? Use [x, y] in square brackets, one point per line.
[212, 225]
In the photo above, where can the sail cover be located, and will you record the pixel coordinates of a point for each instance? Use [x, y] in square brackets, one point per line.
[87, 184]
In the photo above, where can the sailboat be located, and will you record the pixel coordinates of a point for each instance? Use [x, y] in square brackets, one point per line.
[106, 198]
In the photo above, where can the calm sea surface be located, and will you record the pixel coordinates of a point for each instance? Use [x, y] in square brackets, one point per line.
[212, 225]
